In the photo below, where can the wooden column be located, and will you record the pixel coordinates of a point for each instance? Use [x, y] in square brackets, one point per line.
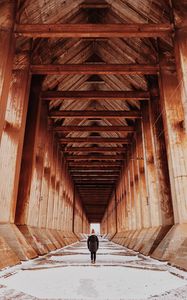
[180, 41]
[12, 139]
[176, 145]
[7, 43]
[28, 151]
[73, 215]
[173, 116]
[10, 156]
[149, 158]
[142, 175]
[160, 155]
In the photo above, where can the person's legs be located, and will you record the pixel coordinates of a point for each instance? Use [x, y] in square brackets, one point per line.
[92, 256]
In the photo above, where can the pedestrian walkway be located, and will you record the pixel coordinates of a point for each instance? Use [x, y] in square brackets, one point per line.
[119, 273]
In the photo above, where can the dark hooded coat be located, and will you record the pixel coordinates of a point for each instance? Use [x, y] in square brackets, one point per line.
[93, 243]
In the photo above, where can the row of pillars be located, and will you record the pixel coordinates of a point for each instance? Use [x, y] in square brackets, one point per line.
[40, 208]
[148, 211]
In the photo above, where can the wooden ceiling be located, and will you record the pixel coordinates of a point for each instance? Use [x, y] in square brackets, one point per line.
[95, 78]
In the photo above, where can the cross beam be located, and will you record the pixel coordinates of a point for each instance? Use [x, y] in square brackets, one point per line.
[97, 163]
[95, 114]
[93, 30]
[90, 69]
[93, 140]
[95, 95]
[95, 149]
[94, 157]
[94, 128]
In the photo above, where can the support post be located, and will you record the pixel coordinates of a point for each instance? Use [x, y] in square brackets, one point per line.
[7, 45]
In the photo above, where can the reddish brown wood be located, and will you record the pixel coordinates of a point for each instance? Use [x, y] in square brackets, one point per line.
[94, 128]
[93, 113]
[95, 149]
[93, 169]
[95, 95]
[93, 163]
[92, 157]
[95, 4]
[93, 30]
[93, 140]
[101, 69]
[7, 43]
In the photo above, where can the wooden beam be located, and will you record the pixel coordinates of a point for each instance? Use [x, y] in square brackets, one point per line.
[94, 157]
[96, 4]
[95, 95]
[93, 168]
[92, 30]
[94, 173]
[93, 185]
[94, 128]
[91, 163]
[95, 149]
[89, 69]
[75, 171]
[94, 140]
[95, 114]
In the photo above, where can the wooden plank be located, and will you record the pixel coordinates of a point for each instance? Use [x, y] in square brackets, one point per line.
[94, 128]
[95, 114]
[94, 149]
[93, 163]
[90, 69]
[7, 43]
[95, 4]
[12, 142]
[95, 95]
[92, 30]
[93, 140]
[94, 157]
[93, 169]
[94, 173]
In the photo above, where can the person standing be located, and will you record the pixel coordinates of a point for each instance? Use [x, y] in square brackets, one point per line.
[93, 245]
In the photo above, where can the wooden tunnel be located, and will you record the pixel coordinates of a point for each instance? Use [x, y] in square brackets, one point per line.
[93, 125]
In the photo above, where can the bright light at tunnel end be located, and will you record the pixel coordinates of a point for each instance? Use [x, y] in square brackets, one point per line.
[96, 227]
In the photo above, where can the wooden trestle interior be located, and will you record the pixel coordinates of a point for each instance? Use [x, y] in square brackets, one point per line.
[93, 125]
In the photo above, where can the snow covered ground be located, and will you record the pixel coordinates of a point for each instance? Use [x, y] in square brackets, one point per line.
[119, 274]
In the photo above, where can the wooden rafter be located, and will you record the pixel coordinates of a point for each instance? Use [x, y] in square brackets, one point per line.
[95, 149]
[94, 140]
[95, 95]
[93, 30]
[143, 69]
[94, 157]
[94, 163]
[95, 114]
[94, 128]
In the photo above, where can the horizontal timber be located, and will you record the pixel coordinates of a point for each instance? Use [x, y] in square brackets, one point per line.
[94, 140]
[95, 95]
[92, 30]
[95, 114]
[92, 172]
[98, 4]
[93, 163]
[94, 128]
[91, 69]
[95, 149]
[93, 169]
[94, 157]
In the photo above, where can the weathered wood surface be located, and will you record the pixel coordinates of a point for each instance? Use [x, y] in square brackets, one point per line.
[95, 95]
[99, 69]
[12, 141]
[93, 30]
[7, 44]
